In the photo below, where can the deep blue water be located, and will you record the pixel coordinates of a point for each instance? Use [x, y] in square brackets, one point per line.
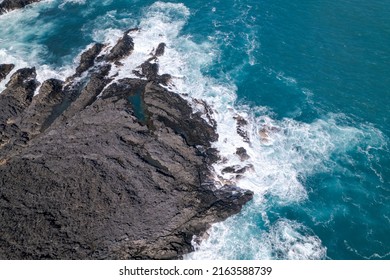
[316, 71]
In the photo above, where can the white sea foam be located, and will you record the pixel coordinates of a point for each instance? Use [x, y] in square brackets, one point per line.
[79, 2]
[285, 239]
[13, 38]
[18, 44]
[291, 240]
[162, 23]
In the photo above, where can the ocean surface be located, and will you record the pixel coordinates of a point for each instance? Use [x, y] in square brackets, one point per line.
[312, 79]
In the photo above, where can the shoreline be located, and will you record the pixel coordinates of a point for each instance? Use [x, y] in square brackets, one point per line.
[85, 154]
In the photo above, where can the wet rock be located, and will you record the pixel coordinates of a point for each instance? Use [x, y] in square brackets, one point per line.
[163, 79]
[241, 121]
[5, 69]
[160, 49]
[241, 128]
[266, 131]
[9, 5]
[131, 30]
[88, 58]
[124, 47]
[176, 113]
[237, 169]
[241, 152]
[149, 70]
[234, 196]
[83, 178]
[207, 111]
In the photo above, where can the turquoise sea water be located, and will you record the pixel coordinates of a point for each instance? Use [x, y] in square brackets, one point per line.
[314, 74]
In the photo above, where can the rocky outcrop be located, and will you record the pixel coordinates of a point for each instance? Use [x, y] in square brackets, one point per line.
[93, 168]
[88, 58]
[18, 94]
[123, 48]
[242, 127]
[9, 5]
[5, 69]
[160, 49]
[242, 154]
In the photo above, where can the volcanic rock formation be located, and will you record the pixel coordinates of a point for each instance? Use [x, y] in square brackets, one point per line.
[97, 168]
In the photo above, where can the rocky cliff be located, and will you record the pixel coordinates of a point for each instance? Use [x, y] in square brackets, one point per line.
[97, 168]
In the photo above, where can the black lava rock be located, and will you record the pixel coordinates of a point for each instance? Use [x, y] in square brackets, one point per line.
[82, 177]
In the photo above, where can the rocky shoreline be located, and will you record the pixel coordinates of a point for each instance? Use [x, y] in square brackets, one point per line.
[98, 168]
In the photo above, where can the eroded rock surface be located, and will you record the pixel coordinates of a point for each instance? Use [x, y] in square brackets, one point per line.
[93, 168]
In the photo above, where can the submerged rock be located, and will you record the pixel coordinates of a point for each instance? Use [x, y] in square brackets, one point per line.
[103, 169]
